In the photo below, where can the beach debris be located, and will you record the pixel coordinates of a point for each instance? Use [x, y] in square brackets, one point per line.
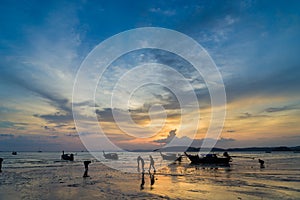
[1, 160]
[86, 167]
[140, 159]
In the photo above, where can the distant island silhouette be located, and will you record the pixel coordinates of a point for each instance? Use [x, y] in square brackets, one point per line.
[215, 149]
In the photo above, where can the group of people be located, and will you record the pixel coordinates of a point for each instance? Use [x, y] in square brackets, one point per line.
[140, 161]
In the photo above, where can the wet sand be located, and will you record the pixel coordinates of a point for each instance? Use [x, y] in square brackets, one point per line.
[65, 181]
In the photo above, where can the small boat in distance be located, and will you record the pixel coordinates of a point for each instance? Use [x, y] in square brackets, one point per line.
[14, 153]
[69, 157]
[171, 157]
[112, 156]
[209, 159]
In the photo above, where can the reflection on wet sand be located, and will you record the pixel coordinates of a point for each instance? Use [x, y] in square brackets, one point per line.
[207, 180]
[152, 179]
[143, 181]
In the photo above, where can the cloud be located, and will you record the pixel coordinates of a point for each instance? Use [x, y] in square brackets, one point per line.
[187, 141]
[57, 117]
[230, 131]
[166, 12]
[6, 135]
[170, 137]
[48, 128]
[248, 115]
[280, 109]
[72, 135]
[10, 124]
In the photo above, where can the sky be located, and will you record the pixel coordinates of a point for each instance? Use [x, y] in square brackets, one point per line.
[254, 44]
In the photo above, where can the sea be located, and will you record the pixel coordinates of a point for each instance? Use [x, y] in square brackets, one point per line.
[279, 179]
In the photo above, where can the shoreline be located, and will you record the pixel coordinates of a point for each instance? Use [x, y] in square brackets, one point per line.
[56, 179]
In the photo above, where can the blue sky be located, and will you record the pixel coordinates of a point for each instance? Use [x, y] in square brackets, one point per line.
[255, 45]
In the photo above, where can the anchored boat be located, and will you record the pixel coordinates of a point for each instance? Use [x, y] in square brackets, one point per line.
[171, 157]
[112, 156]
[69, 157]
[209, 159]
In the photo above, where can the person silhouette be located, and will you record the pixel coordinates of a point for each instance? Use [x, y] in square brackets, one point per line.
[262, 163]
[151, 164]
[140, 159]
[86, 167]
[1, 160]
[226, 154]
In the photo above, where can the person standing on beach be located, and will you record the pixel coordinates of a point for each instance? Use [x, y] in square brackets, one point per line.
[262, 163]
[151, 164]
[86, 166]
[1, 160]
[139, 158]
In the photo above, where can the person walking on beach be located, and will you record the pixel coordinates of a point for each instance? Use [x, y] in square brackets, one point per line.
[140, 159]
[1, 160]
[151, 164]
[86, 166]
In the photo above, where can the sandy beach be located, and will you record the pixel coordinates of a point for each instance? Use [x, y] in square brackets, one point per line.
[66, 182]
[63, 180]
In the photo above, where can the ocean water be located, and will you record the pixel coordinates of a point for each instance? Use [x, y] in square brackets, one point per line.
[244, 179]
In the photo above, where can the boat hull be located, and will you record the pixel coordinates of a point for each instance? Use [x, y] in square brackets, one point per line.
[67, 157]
[111, 156]
[195, 159]
[171, 157]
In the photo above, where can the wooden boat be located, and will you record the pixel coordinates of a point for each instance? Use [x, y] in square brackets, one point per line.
[209, 159]
[112, 156]
[69, 157]
[171, 157]
[14, 153]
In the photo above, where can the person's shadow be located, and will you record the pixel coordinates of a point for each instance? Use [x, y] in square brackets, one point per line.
[152, 179]
[143, 181]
